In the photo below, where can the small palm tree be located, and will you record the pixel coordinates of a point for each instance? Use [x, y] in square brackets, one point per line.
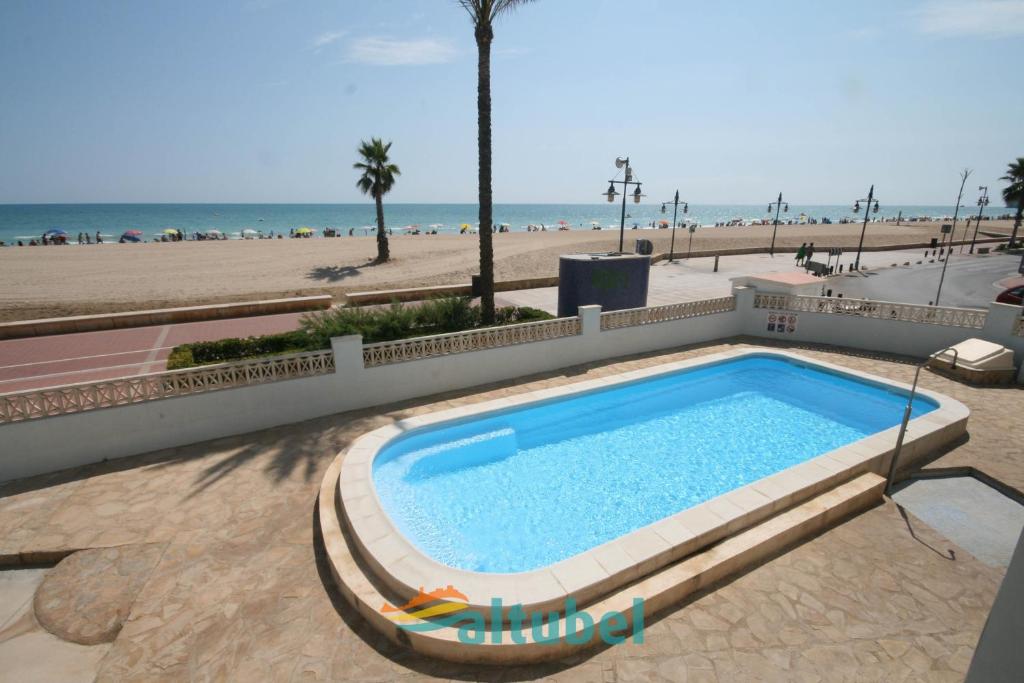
[1013, 194]
[483, 13]
[377, 180]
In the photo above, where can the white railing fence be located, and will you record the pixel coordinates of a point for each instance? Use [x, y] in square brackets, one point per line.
[403, 350]
[77, 398]
[866, 308]
[658, 314]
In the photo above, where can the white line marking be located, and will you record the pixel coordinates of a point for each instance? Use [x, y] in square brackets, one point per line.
[157, 345]
[71, 372]
[99, 355]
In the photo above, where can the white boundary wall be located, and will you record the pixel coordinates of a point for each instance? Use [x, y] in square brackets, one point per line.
[48, 444]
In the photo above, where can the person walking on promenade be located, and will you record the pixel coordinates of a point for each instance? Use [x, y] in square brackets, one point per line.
[809, 255]
[800, 253]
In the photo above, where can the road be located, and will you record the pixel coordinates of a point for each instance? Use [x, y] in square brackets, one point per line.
[970, 281]
[39, 362]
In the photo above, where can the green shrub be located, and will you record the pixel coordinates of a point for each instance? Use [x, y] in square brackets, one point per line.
[511, 315]
[396, 322]
[225, 350]
[180, 357]
[437, 316]
[446, 314]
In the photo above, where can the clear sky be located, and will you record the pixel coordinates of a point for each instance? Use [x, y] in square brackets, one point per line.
[266, 100]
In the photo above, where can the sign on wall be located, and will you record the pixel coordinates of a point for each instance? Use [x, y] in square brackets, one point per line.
[782, 323]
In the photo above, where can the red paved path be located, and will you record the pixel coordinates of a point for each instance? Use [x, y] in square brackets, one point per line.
[89, 356]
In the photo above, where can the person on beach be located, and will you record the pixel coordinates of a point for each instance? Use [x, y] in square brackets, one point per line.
[800, 253]
[99, 238]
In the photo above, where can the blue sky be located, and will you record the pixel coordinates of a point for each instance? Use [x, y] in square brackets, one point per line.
[266, 100]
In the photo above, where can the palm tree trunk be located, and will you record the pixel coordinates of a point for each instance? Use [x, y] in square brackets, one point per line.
[1016, 224]
[484, 36]
[383, 252]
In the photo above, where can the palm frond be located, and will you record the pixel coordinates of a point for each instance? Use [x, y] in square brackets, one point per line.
[483, 12]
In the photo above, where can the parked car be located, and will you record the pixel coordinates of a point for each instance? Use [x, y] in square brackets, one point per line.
[1013, 295]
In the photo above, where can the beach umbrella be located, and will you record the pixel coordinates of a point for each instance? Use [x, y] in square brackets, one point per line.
[304, 231]
[435, 226]
[133, 233]
[248, 231]
[55, 232]
[131, 236]
[562, 223]
[465, 225]
[170, 231]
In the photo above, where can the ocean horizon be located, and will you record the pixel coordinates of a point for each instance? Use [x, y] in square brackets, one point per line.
[30, 221]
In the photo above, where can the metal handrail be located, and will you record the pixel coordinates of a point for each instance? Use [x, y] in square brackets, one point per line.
[909, 408]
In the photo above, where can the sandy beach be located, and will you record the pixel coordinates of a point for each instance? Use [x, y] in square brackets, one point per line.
[41, 282]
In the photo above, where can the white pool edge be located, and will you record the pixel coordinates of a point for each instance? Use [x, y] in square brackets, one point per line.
[599, 570]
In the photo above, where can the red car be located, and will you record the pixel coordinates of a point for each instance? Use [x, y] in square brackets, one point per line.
[1013, 295]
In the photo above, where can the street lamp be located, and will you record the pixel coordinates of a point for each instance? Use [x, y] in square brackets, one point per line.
[867, 212]
[621, 163]
[949, 252]
[778, 204]
[675, 213]
[982, 203]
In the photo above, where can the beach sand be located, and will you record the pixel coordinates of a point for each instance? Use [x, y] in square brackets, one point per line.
[42, 282]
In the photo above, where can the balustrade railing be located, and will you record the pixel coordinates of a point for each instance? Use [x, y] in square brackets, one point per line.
[882, 310]
[77, 398]
[659, 314]
[385, 353]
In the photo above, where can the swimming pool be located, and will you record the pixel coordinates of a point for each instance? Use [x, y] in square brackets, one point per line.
[527, 487]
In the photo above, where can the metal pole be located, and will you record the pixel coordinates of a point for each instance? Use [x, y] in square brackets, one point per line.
[867, 212]
[672, 246]
[906, 415]
[778, 205]
[949, 252]
[625, 190]
[982, 201]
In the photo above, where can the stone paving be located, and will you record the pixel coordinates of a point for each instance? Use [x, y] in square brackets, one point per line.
[240, 590]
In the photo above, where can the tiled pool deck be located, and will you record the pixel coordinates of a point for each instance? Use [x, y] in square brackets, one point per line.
[240, 590]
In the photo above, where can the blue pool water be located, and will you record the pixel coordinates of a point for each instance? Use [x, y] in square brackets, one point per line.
[527, 487]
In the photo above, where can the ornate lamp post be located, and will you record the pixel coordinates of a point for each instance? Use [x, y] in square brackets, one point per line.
[867, 212]
[626, 182]
[675, 213]
[982, 203]
[778, 204]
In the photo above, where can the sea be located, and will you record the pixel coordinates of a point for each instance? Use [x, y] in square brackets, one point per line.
[27, 221]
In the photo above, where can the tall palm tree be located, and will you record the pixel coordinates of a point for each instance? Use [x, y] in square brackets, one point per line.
[1013, 194]
[483, 13]
[377, 180]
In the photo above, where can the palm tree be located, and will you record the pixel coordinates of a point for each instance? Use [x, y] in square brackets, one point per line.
[377, 180]
[483, 13]
[1013, 194]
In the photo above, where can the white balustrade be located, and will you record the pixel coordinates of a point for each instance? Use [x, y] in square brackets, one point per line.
[77, 398]
[883, 310]
[402, 350]
[657, 314]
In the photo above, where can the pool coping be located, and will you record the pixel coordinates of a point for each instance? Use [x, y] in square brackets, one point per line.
[589, 575]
